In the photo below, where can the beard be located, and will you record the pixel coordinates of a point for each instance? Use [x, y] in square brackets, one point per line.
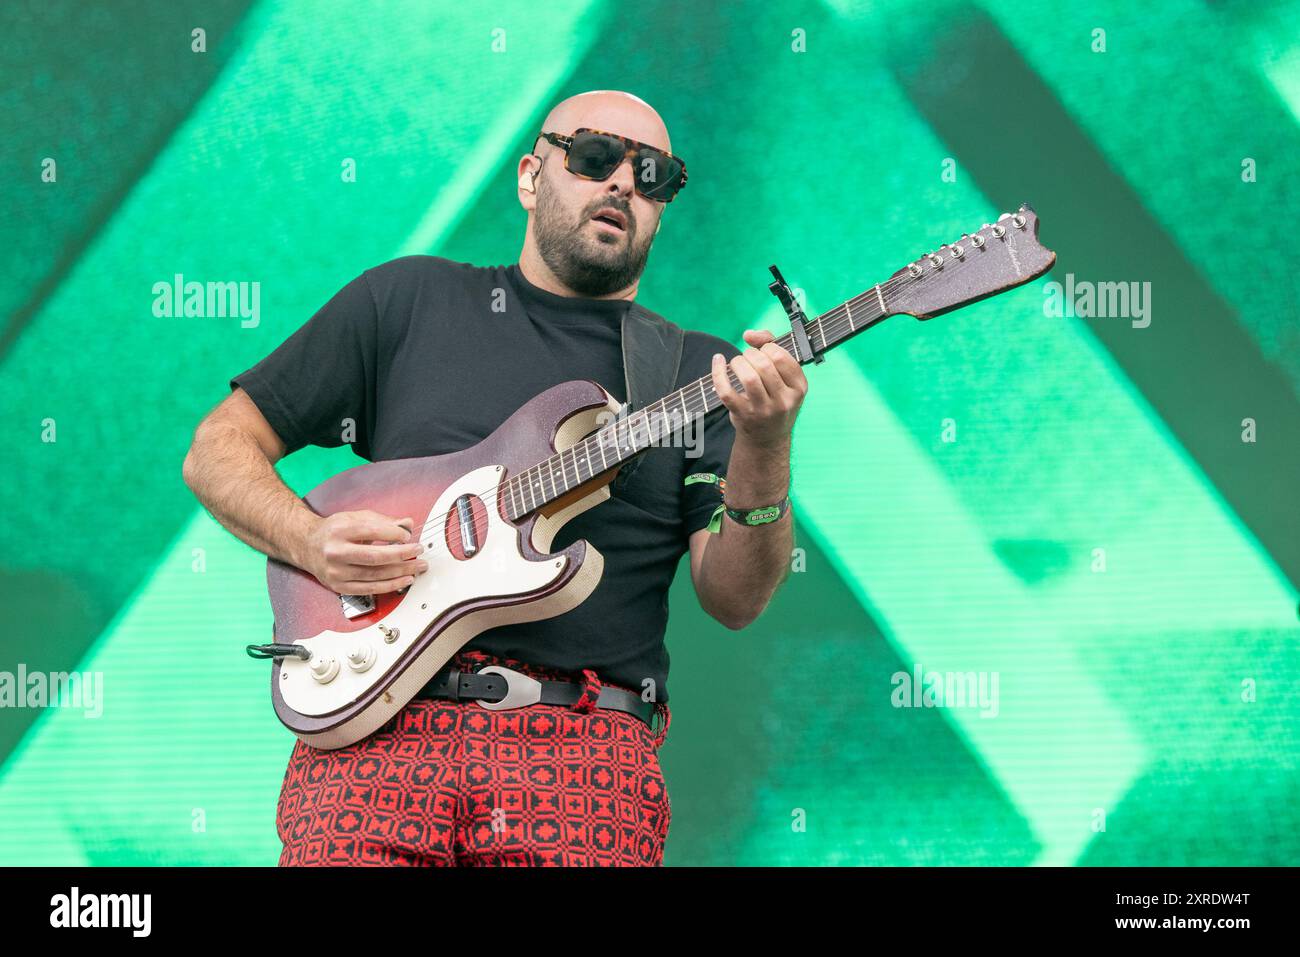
[589, 265]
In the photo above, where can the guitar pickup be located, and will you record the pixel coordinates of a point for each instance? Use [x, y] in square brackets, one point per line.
[465, 515]
[354, 606]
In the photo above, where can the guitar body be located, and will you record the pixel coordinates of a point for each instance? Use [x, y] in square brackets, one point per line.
[374, 662]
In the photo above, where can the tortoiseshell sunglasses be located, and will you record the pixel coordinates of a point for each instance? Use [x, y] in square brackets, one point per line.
[595, 154]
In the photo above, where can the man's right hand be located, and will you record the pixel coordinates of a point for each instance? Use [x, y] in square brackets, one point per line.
[363, 553]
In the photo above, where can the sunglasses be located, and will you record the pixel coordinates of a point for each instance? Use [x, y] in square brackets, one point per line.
[593, 154]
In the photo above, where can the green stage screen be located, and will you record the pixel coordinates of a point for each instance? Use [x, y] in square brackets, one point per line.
[1081, 512]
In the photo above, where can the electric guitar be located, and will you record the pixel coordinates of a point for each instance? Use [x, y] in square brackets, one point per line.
[344, 665]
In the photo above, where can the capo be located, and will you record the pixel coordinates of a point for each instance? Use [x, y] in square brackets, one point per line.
[803, 348]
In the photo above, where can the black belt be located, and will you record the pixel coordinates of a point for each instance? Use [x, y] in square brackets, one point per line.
[501, 689]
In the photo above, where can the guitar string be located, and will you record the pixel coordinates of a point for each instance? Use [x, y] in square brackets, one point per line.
[828, 324]
[831, 319]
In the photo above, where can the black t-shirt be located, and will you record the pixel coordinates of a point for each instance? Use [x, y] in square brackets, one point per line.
[428, 356]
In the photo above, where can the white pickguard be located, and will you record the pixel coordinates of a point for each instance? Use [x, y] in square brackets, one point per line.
[496, 569]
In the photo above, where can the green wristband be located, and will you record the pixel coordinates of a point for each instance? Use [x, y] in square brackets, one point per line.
[753, 516]
[759, 516]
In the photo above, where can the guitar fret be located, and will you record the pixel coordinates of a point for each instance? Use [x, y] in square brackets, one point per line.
[548, 473]
[564, 479]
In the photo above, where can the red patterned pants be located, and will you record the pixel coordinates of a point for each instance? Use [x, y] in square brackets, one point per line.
[450, 783]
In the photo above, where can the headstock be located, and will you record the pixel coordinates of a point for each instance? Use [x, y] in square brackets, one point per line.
[997, 257]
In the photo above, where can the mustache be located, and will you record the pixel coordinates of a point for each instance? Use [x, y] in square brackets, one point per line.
[626, 210]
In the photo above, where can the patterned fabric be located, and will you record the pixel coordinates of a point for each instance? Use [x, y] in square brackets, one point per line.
[449, 783]
[591, 686]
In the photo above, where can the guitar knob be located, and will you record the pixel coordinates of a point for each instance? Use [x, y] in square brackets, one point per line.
[324, 669]
[361, 657]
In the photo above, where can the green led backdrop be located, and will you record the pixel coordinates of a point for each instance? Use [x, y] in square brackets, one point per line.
[1077, 506]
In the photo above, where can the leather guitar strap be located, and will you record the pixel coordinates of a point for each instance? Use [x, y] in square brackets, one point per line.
[652, 356]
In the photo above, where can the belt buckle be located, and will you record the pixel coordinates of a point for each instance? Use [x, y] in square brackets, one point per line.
[521, 690]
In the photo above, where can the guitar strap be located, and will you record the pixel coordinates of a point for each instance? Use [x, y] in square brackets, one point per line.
[652, 356]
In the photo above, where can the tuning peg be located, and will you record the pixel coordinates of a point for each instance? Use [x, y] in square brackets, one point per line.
[1018, 221]
[999, 231]
[977, 241]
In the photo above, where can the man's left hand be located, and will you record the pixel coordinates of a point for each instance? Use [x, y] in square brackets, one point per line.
[774, 387]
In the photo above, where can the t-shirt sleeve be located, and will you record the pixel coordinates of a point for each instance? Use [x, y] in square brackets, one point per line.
[700, 499]
[318, 386]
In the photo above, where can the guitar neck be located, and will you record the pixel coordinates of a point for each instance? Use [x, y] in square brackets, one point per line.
[627, 436]
[997, 257]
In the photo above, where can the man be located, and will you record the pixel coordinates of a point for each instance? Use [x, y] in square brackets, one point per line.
[424, 356]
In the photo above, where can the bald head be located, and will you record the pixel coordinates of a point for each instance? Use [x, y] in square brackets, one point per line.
[612, 111]
[588, 237]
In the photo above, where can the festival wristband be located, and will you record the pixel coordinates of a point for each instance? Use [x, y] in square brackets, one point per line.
[751, 516]
[761, 515]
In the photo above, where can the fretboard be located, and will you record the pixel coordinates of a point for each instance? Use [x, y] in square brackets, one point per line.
[625, 437]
